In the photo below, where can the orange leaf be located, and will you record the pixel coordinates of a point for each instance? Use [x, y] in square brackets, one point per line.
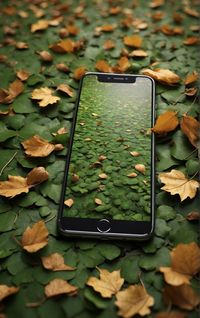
[6, 291]
[191, 78]
[123, 64]
[23, 75]
[39, 25]
[166, 122]
[134, 300]
[140, 167]
[65, 46]
[15, 89]
[45, 56]
[55, 262]
[69, 202]
[138, 53]
[106, 28]
[44, 95]
[176, 183]
[192, 40]
[58, 287]
[191, 128]
[36, 176]
[65, 89]
[171, 314]
[62, 67]
[79, 72]
[103, 66]
[108, 45]
[163, 76]
[182, 296]
[108, 284]
[185, 263]
[39, 147]
[35, 238]
[133, 40]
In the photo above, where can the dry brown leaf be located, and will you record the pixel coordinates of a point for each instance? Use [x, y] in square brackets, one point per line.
[191, 91]
[140, 167]
[166, 122]
[168, 30]
[62, 67]
[108, 284]
[58, 287]
[64, 46]
[44, 95]
[55, 262]
[156, 3]
[17, 185]
[193, 216]
[106, 28]
[132, 175]
[21, 45]
[60, 131]
[72, 29]
[103, 176]
[163, 76]
[23, 75]
[171, 314]
[39, 147]
[123, 65]
[182, 296]
[69, 202]
[65, 89]
[177, 183]
[134, 300]
[108, 45]
[36, 176]
[133, 40]
[98, 201]
[79, 72]
[39, 25]
[35, 238]
[135, 153]
[103, 66]
[191, 128]
[192, 40]
[6, 291]
[8, 95]
[138, 53]
[191, 78]
[185, 263]
[45, 56]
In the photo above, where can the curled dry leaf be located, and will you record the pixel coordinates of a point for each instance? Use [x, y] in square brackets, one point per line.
[134, 300]
[39, 25]
[17, 184]
[79, 72]
[6, 291]
[193, 216]
[23, 75]
[138, 53]
[103, 176]
[108, 45]
[60, 131]
[35, 238]
[8, 95]
[44, 95]
[191, 91]
[39, 147]
[36, 176]
[192, 40]
[182, 296]
[166, 122]
[177, 183]
[62, 67]
[191, 128]
[106, 28]
[133, 40]
[45, 56]
[64, 46]
[135, 153]
[123, 65]
[171, 314]
[191, 78]
[163, 76]
[132, 175]
[21, 45]
[58, 287]
[103, 66]
[108, 284]
[69, 202]
[185, 263]
[55, 262]
[65, 89]
[140, 167]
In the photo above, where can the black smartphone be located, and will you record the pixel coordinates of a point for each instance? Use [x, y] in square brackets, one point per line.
[108, 186]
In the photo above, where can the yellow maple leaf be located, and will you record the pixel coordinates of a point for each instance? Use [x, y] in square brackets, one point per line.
[39, 147]
[35, 238]
[55, 262]
[177, 183]
[58, 287]
[185, 263]
[44, 94]
[108, 284]
[134, 300]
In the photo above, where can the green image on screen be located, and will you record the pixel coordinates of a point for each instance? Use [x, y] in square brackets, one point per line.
[109, 173]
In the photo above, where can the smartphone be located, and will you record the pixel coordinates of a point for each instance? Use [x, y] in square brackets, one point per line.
[108, 186]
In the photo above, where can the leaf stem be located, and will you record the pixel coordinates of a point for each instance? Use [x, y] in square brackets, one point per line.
[7, 163]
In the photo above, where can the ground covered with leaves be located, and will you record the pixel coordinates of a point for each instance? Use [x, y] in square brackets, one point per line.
[45, 47]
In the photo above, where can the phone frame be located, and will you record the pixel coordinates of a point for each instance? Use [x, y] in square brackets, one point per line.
[137, 230]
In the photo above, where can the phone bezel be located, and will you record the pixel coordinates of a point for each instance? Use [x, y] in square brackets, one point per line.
[85, 227]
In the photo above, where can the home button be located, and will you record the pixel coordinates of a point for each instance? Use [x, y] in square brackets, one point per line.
[103, 226]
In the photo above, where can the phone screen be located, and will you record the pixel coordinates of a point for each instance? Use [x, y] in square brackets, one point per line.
[109, 170]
